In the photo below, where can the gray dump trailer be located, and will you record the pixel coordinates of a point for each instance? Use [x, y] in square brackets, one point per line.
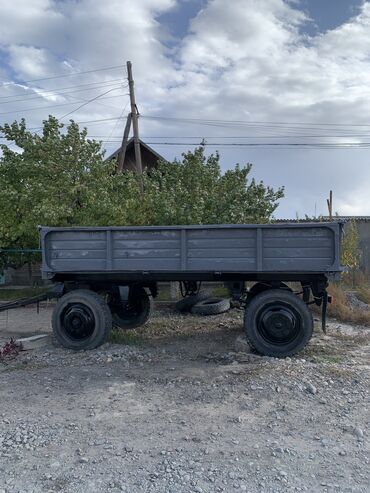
[111, 273]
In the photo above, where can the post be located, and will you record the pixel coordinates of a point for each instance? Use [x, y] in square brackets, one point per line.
[134, 115]
[122, 153]
[329, 201]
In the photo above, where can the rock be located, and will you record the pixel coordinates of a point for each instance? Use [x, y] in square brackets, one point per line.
[311, 389]
[358, 433]
[241, 345]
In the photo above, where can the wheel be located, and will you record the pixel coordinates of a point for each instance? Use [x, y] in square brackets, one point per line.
[81, 320]
[186, 304]
[261, 287]
[278, 323]
[135, 312]
[211, 306]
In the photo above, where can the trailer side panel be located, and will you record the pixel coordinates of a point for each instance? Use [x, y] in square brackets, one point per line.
[174, 249]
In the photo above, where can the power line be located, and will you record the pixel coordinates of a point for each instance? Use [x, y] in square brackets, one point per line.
[50, 93]
[251, 122]
[244, 136]
[99, 120]
[58, 105]
[323, 145]
[87, 102]
[343, 145]
[108, 139]
[73, 74]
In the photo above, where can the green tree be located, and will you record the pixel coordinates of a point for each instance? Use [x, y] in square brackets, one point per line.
[195, 191]
[351, 250]
[59, 178]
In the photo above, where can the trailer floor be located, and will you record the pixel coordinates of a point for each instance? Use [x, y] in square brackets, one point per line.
[178, 409]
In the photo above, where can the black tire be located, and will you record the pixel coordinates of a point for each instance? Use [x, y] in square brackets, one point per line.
[81, 320]
[261, 287]
[136, 314]
[278, 323]
[211, 306]
[187, 303]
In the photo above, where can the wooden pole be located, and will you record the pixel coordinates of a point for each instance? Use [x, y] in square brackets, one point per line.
[329, 201]
[122, 153]
[134, 115]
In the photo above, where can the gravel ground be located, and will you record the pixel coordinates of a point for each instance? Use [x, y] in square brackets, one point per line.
[185, 407]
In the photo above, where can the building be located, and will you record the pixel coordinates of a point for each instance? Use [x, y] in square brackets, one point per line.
[149, 156]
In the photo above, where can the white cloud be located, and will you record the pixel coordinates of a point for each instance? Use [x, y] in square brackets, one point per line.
[241, 60]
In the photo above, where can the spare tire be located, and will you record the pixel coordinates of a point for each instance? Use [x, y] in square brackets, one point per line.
[187, 303]
[211, 306]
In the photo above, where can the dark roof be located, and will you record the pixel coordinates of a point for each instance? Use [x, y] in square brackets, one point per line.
[343, 219]
[130, 144]
[364, 219]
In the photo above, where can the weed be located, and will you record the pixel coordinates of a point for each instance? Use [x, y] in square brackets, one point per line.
[126, 337]
[10, 350]
[363, 293]
[342, 310]
[15, 294]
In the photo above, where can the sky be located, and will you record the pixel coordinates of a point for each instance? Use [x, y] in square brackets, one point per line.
[284, 85]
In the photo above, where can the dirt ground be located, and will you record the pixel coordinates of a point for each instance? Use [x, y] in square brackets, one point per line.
[180, 408]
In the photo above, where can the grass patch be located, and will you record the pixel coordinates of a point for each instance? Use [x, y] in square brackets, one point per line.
[342, 310]
[363, 293]
[126, 337]
[220, 292]
[328, 358]
[7, 294]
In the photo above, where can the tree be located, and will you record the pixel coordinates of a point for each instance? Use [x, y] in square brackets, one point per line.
[51, 179]
[351, 249]
[59, 178]
[194, 191]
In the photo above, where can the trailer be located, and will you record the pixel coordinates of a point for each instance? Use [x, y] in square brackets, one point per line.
[110, 275]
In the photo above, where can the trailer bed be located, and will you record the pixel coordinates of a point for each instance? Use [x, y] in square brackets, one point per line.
[201, 252]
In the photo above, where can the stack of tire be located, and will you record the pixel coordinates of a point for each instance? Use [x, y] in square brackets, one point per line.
[203, 304]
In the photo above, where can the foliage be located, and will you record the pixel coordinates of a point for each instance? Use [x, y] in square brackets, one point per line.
[194, 191]
[351, 249]
[19, 293]
[59, 178]
[341, 308]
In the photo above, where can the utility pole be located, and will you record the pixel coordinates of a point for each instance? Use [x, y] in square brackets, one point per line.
[131, 118]
[122, 152]
[134, 116]
[329, 201]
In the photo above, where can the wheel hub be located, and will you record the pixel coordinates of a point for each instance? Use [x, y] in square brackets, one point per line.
[278, 325]
[78, 321]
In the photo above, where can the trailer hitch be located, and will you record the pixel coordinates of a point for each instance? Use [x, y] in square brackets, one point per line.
[54, 293]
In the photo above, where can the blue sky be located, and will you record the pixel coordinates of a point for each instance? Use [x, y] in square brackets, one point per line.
[304, 63]
[325, 15]
[329, 14]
